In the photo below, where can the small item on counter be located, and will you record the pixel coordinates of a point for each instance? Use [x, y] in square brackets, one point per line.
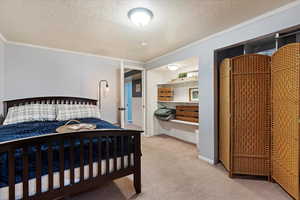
[182, 75]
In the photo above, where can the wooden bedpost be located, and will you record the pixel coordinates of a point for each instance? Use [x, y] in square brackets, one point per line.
[137, 163]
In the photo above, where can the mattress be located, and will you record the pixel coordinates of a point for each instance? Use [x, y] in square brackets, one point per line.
[4, 191]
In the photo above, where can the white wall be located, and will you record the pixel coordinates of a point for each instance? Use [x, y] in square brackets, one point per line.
[271, 22]
[33, 71]
[153, 77]
[1, 74]
[183, 132]
[137, 111]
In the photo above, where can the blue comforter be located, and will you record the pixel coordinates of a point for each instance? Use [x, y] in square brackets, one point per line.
[29, 129]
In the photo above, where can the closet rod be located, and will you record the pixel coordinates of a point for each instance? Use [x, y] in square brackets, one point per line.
[288, 34]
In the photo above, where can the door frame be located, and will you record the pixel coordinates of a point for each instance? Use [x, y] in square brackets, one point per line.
[122, 93]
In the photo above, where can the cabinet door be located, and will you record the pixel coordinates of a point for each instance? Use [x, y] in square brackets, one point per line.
[224, 116]
[285, 118]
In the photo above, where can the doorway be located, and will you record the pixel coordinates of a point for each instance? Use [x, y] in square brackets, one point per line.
[132, 108]
[174, 88]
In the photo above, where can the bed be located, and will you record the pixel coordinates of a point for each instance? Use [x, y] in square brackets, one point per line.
[38, 163]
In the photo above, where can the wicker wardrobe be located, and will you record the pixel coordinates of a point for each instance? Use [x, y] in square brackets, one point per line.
[286, 117]
[245, 117]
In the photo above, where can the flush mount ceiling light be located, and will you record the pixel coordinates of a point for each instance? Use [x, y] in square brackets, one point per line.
[173, 67]
[144, 44]
[140, 16]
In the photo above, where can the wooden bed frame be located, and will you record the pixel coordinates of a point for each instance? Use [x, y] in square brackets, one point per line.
[84, 184]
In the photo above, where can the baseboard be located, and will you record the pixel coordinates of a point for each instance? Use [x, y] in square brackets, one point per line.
[147, 136]
[212, 162]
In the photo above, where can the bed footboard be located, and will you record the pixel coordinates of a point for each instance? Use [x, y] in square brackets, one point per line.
[73, 162]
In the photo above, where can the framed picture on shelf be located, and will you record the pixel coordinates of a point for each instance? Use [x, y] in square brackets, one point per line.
[194, 94]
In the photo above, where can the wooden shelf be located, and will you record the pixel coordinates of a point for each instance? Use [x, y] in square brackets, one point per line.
[178, 82]
[183, 102]
[184, 122]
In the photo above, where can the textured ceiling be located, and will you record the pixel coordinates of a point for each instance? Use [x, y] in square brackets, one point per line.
[102, 27]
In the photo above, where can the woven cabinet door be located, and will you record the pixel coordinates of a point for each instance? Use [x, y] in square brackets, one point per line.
[285, 118]
[251, 117]
[224, 116]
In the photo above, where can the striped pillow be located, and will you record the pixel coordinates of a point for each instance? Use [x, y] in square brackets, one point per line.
[67, 112]
[30, 112]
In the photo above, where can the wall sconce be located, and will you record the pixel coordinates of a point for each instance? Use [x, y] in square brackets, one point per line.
[100, 91]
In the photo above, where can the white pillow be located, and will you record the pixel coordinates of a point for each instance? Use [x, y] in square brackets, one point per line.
[67, 112]
[30, 112]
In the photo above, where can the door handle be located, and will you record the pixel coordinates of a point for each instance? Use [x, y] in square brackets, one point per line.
[121, 109]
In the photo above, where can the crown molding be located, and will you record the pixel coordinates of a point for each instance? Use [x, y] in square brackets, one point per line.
[238, 26]
[74, 52]
[70, 51]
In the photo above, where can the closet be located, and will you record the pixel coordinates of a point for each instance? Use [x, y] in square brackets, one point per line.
[173, 99]
[259, 108]
[224, 115]
[245, 117]
[285, 117]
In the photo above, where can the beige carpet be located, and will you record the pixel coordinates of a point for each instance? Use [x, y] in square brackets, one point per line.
[133, 126]
[171, 170]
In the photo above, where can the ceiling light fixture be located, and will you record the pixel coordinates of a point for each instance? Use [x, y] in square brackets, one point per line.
[140, 16]
[144, 44]
[173, 67]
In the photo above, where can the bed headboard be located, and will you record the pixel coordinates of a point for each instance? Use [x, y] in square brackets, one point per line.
[48, 100]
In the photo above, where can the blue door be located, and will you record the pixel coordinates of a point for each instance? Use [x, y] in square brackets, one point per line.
[128, 102]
